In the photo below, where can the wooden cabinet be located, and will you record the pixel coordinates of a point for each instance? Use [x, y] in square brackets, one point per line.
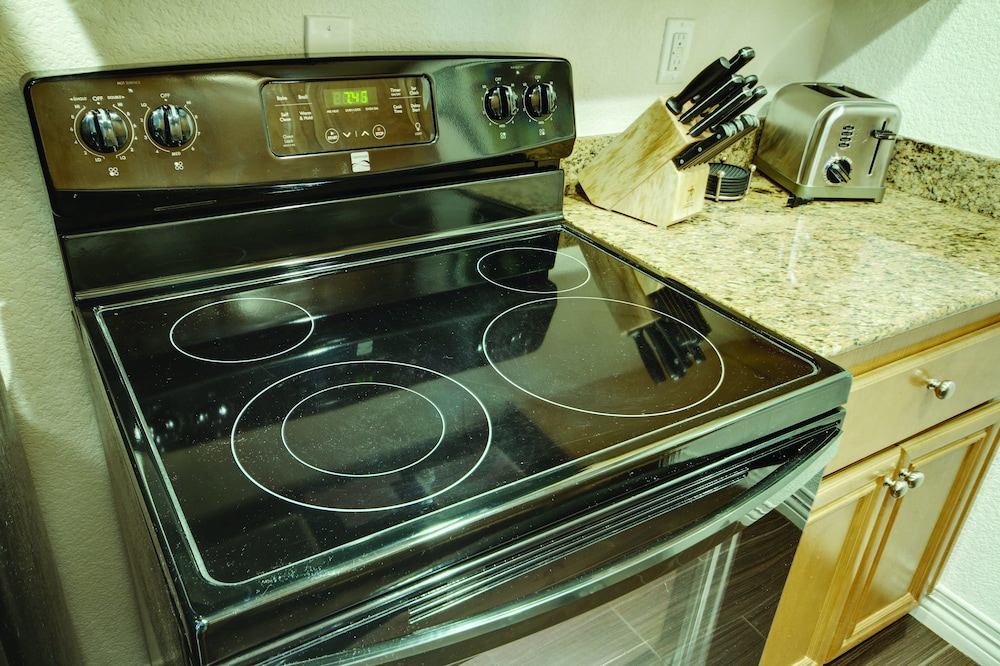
[884, 522]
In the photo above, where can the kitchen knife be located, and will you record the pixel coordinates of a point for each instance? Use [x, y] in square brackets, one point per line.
[721, 133]
[710, 78]
[745, 123]
[718, 96]
[742, 57]
[730, 110]
[715, 70]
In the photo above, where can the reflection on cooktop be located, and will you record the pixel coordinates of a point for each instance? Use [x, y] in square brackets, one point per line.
[585, 334]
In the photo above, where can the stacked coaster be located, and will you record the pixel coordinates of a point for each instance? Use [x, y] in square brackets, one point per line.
[727, 182]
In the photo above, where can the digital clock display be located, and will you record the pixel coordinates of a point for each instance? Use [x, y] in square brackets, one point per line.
[348, 115]
[337, 98]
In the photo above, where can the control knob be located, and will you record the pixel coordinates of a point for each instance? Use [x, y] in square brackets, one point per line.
[838, 170]
[170, 126]
[103, 130]
[540, 101]
[500, 104]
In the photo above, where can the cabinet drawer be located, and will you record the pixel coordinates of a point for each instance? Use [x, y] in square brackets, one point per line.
[893, 402]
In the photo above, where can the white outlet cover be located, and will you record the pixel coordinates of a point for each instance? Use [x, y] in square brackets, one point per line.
[327, 35]
[675, 50]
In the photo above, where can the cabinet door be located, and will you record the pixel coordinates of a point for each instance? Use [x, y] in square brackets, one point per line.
[845, 515]
[919, 528]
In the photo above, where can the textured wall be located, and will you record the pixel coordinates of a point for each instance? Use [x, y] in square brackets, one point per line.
[934, 59]
[936, 62]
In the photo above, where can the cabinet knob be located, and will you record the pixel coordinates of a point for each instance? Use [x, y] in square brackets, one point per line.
[943, 389]
[912, 477]
[897, 488]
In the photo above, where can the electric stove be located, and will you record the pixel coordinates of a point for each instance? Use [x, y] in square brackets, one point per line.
[367, 398]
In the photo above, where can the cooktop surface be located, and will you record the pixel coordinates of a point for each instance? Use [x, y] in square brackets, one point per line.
[298, 416]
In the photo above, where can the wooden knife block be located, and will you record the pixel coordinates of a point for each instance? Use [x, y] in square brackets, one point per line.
[635, 175]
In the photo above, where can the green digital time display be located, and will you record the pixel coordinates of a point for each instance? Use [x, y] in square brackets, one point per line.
[337, 98]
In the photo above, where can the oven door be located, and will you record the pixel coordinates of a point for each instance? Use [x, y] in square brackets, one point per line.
[689, 571]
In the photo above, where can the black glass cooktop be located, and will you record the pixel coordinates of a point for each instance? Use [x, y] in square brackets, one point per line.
[297, 417]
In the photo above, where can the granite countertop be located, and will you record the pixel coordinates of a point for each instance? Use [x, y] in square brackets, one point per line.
[834, 276]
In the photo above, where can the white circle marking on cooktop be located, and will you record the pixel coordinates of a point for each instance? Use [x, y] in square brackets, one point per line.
[597, 412]
[339, 509]
[586, 269]
[217, 304]
[412, 463]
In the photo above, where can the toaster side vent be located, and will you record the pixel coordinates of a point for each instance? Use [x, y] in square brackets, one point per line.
[846, 135]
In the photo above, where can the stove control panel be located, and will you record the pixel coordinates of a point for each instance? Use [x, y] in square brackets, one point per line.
[291, 121]
[331, 115]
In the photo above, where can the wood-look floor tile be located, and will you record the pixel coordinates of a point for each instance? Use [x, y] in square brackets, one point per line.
[904, 643]
[641, 655]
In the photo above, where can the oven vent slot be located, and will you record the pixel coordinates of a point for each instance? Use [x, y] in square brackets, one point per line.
[502, 567]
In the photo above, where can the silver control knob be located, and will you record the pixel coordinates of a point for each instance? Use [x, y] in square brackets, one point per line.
[943, 389]
[838, 171]
[540, 101]
[170, 126]
[500, 104]
[103, 130]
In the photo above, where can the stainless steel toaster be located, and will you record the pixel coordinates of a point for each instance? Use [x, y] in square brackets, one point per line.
[828, 141]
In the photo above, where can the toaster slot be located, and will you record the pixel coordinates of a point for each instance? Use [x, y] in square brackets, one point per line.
[837, 90]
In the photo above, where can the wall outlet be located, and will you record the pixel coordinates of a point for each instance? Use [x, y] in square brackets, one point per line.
[327, 35]
[677, 37]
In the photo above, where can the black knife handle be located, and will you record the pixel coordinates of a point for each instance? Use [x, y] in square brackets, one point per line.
[744, 125]
[718, 96]
[721, 114]
[696, 85]
[745, 104]
[742, 57]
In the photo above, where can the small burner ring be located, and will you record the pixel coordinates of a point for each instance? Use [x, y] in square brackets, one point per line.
[357, 455]
[495, 267]
[241, 330]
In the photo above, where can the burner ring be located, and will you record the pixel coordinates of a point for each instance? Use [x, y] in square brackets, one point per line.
[464, 429]
[271, 325]
[286, 436]
[572, 266]
[565, 352]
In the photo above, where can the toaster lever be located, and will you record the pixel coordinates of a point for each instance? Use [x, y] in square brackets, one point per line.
[884, 134]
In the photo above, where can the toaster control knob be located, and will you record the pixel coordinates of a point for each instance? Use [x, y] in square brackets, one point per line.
[838, 171]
